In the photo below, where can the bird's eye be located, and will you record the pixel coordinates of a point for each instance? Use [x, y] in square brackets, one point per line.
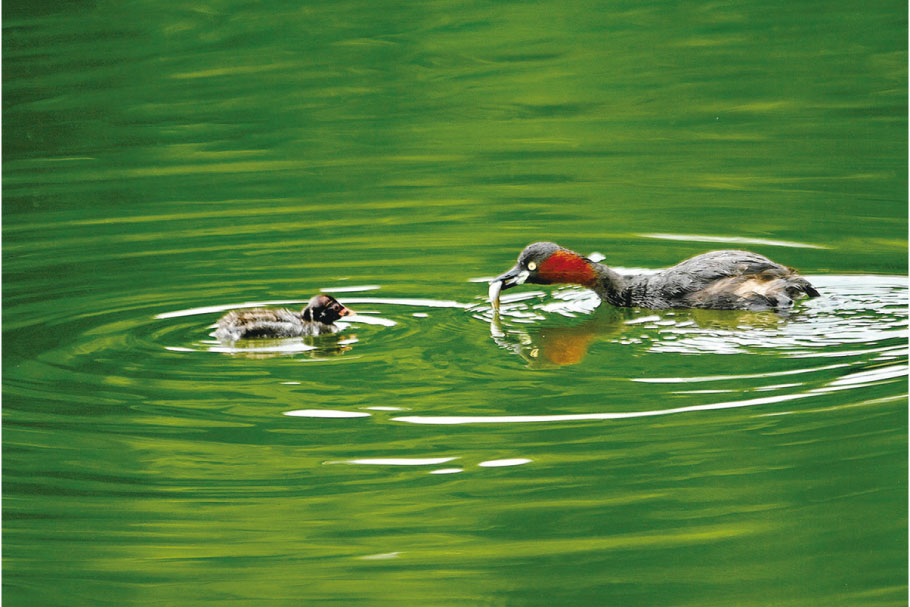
[532, 265]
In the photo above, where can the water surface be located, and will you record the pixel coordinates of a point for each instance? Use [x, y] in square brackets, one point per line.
[164, 163]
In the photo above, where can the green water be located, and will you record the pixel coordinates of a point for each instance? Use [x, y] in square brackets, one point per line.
[164, 162]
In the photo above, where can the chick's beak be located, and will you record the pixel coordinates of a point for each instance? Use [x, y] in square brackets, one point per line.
[346, 311]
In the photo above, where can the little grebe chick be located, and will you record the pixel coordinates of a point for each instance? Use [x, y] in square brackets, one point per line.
[719, 280]
[316, 318]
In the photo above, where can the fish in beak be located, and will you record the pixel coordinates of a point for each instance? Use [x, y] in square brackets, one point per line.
[514, 277]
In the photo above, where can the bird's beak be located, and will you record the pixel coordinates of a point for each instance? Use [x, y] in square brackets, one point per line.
[514, 277]
[346, 312]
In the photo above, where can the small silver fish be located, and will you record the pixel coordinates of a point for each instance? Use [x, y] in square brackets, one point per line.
[495, 288]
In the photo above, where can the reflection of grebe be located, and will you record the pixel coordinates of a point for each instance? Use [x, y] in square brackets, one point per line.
[316, 318]
[719, 280]
[554, 345]
[568, 345]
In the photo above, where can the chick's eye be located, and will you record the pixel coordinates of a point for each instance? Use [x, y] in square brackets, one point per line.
[532, 265]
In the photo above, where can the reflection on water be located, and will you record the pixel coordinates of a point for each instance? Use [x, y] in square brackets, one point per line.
[398, 461]
[734, 240]
[522, 419]
[327, 413]
[855, 309]
[322, 346]
[820, 328]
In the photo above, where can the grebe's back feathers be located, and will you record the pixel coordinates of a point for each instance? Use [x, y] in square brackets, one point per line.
[727, 279]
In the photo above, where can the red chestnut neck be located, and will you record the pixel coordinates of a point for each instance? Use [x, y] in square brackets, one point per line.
[567, 267]
[564, 266]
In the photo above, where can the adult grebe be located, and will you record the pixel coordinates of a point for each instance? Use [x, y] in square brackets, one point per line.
[721, 280]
